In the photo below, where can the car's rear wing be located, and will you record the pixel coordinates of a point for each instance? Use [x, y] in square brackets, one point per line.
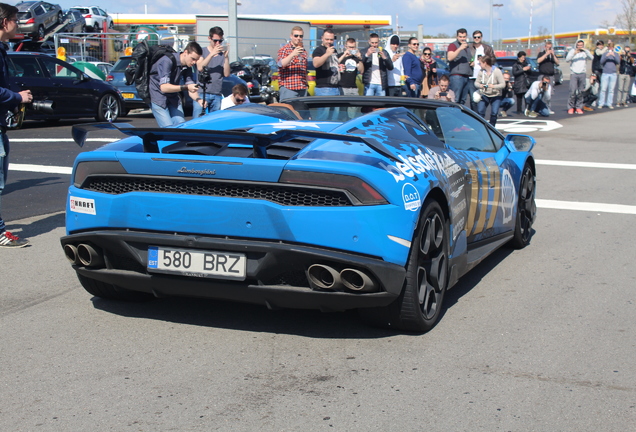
[260, 142]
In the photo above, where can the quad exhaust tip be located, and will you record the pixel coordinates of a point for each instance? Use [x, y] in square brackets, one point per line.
[358, 281]
[70, 251]
[88, 256]
[325, 277]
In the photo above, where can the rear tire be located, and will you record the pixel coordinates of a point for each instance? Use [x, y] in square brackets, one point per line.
[526, 209]
[418, 307]
[40, 33]
[108, 109]
[111, 292]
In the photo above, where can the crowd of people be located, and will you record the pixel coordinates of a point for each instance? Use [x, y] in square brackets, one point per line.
[409, 71]
[473, 77]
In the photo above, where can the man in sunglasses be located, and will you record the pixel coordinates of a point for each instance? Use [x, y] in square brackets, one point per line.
[216, 59]
[292, 66]
[477, 49]
[238, 97]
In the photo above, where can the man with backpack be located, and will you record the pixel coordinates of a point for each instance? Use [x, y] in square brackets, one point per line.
[165, 88]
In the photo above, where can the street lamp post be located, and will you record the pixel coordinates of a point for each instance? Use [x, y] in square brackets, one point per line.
[492, 6]
[232, 21]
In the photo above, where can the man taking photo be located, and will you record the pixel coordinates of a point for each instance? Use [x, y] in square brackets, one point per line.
[9, 100]
[536, 97]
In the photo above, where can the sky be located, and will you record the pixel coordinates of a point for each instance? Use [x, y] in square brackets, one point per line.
[437, 16]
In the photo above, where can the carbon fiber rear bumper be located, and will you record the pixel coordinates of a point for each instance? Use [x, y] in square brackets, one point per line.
[276, 271]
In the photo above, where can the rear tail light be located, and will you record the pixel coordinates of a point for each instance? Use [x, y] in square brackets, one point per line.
[31, 21]
[109, 77]
[88, 16]
[360, 189]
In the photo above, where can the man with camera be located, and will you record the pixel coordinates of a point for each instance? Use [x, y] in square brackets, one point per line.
[377, 63]
[351, 62]
[547, 62]
[577, 57]
[292, 66]
[626, 72]
[394, 77]
[590, 92]
[459, 60]
[165, 76]
[441, 91]
[536, 97]
[9, 100]
[213, 65]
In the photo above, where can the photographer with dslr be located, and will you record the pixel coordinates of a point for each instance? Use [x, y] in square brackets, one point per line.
[536, 97]
[213, 65]
[9, 100]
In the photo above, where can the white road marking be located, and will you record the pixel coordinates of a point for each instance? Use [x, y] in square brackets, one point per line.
[541, 203]
[37, 140]
[586, 164]
[524, 125]
[586, 206]
[40, 168]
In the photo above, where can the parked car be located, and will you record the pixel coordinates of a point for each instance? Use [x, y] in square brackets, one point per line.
[75, 22]
[381, 209]
[35, 17]
[442, 67]
[73, 93]
[103, 66]
[95, 17]
[117, 78]
[560, 51]
[85, 58]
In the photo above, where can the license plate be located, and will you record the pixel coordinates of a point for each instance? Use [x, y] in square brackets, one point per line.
[197, 263]
[128, 95]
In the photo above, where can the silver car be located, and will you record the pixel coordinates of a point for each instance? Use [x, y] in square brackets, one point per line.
[35, 17]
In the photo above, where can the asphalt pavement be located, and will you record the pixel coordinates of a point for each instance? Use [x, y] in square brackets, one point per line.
[541, 339]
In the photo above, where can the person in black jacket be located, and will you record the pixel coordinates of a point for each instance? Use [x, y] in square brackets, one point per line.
[520, 73]
[626, 72]
[597, 67]
[9, 100]
[376, 62]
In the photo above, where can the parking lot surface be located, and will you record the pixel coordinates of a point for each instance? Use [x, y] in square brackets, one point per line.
[541, 339]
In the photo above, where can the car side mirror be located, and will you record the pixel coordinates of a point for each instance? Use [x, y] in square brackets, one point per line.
[82, 78]
[516, 142]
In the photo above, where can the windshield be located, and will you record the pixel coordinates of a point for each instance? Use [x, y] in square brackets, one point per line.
[506, 62]
[121, 65]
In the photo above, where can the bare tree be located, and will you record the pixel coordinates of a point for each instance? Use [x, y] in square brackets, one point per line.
[543, 32]
[626, 20]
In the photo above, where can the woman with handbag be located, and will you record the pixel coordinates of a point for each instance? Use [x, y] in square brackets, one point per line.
[521, 85]
[490, 82]
[429, 69]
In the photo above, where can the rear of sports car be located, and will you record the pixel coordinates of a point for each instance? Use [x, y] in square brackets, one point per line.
[318, 223]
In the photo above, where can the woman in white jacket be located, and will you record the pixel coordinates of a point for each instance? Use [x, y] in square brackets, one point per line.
[490, 82]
